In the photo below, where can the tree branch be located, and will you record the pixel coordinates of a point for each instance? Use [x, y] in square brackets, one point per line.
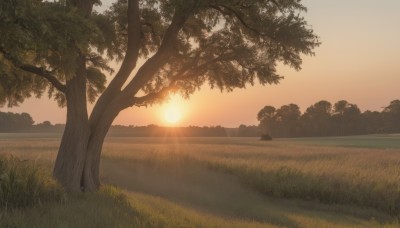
[191, 72]
[148, 24]
[44, 74]
[187, 72]
[112, 95]
[128, 64]
[39, 71]
[240, 18]
[277, 5]
[152, 65]
[151, 97]
[132, 51]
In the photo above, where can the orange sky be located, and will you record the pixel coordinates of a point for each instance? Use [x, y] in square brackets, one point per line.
[359, 61]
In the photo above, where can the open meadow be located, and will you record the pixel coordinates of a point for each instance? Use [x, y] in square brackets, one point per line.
[224, 182]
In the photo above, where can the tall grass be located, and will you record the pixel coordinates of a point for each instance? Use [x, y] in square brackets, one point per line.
[291, 182]
[23, 184]
[105, 208]
[30, 197]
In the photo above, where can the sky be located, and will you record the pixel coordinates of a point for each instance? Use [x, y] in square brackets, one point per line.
[358, 61]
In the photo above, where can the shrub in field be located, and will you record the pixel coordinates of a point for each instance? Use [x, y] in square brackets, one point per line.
[266, 137]
[23, 184]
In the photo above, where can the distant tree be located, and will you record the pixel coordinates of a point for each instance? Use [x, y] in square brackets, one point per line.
[286, 120]
[266, 112]
[337, 117]
[347, 118]
[391, 115]
[46, 123]
[64, 48]
[24, 121]
[266, 117]
[44, 126]
[352, 118]
[248, 131]
[218, 131]
[372, 122]
[316, 121]
[340, 107]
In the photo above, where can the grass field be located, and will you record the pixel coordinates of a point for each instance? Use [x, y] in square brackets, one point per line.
[229, 182]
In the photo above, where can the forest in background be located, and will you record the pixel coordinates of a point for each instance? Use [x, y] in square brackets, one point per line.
[324, 119]
[320, 119]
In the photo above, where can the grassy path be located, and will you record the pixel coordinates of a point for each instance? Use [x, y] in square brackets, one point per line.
[221, 196]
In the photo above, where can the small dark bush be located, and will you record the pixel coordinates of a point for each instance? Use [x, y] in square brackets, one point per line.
[24, 184]
[266, 137]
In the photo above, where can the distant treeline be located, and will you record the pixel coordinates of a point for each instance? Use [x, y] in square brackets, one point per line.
[325, 119]
[320, 119]
[14, 122]
[158, 131]
[23, 122]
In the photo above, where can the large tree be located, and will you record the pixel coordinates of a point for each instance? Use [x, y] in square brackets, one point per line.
[163, 46]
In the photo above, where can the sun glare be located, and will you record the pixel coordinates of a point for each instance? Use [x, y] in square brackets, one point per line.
[173, 110]
[172, 115]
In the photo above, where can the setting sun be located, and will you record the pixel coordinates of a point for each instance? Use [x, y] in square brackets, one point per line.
[172, 112]
[172, 115]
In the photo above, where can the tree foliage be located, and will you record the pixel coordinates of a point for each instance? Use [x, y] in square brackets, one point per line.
[39, 44]
[226, 44]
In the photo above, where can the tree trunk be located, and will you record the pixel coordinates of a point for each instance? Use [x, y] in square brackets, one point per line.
[78, 161]
[75, 168]
[72, 152]
[91, 179]
[91, 171]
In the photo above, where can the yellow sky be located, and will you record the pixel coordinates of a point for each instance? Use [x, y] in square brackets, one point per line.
[359, 61]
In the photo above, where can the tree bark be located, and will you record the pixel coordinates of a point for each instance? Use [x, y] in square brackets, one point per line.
[91, 179]
[78, 162]
[72, 152]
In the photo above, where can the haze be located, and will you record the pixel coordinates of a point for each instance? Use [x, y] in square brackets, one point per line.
[358, 61]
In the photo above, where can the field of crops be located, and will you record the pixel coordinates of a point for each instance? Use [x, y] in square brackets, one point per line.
[345, 181]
